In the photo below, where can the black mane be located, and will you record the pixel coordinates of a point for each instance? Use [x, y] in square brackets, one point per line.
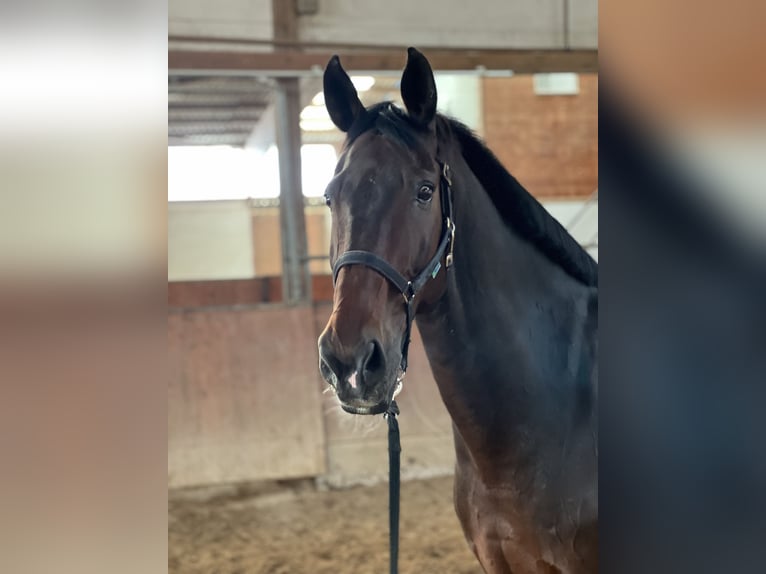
[518, 208]
[521, 210]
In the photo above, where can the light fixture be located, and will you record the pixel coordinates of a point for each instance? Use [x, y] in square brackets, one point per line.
[362, 83]
[314, 118]
[314, 113]
[317, 125]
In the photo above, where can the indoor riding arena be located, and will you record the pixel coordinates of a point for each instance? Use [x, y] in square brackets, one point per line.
[267, 474]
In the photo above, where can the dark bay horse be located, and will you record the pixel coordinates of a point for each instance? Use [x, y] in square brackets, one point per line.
[505, 301]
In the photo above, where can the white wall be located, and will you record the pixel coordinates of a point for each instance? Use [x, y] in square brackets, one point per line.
[209, 240]
[580, 218]
[460, 96]
[583, 24]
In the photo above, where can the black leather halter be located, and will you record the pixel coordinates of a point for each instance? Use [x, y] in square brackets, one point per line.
[409, 288]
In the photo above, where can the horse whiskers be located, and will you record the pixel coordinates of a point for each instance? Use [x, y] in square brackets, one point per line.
[363, 424]
[353, 424]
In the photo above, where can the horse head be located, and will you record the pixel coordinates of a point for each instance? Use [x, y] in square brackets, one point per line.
[386, 203]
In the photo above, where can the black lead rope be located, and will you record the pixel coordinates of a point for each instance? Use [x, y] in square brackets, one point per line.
[394, 451]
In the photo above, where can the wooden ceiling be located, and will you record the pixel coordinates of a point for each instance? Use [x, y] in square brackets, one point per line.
[224, 110]
[215, 110]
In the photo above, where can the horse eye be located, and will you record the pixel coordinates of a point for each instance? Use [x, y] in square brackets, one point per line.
[327, 200]
[425, 193]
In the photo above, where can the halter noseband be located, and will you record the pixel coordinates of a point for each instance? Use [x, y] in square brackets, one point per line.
[410, 288]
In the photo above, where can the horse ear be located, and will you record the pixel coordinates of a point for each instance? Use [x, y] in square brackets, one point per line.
[340, 96]
[419, 87]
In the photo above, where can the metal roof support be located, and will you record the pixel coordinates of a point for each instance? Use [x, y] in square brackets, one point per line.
[296, 278]
[296, 284]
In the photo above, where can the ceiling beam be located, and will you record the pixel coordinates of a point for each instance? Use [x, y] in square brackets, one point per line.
[208, 139]
[219, 99]
[215, 113]
[296, 44]
[220, 85]
[298, 63]
[201, 127]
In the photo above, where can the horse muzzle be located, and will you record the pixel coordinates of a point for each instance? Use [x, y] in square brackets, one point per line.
[363, 379]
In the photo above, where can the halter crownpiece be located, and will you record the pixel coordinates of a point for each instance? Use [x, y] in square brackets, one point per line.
[409, 288]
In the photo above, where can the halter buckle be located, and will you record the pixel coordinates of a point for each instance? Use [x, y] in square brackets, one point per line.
[450, 257]
[409, 293]
[446, 173]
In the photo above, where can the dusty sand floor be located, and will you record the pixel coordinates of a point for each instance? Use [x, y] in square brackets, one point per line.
[294, 529]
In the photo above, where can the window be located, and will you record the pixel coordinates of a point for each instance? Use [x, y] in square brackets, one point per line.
[563, 84]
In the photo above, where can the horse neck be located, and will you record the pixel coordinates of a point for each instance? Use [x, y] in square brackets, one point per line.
[506, 338]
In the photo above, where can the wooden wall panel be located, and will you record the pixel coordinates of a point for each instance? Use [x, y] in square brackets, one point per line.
[193, 294]
[357, 445]
[243, 396]
[267, 247]
[318, 238]
[190, 294]
[267, 242]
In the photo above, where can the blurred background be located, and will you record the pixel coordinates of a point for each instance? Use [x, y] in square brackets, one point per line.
[266, 474]
[255, 457]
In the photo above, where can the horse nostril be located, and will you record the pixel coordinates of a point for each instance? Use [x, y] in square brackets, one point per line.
[329, 366]
[375, 359]
[325, 370]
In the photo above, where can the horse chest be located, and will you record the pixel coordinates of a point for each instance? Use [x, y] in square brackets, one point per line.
[501, 539]
[497, 525]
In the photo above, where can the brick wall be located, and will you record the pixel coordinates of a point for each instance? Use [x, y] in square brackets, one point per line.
[549, 143]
